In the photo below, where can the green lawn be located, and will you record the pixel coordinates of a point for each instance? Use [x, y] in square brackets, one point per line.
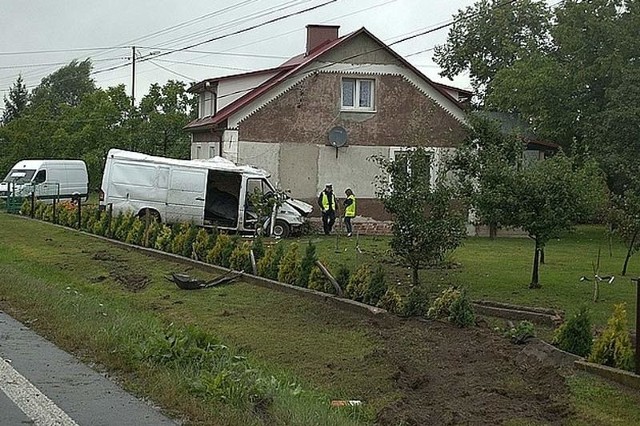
[102, 302]
[500, 270]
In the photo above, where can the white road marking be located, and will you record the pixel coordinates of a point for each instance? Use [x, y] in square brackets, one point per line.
[30, 400]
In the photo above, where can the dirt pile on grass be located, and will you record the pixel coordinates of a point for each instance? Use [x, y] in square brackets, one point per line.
[447, 375]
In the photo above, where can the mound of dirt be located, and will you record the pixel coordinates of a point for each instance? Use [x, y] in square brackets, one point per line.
[446, 375]
[129, 280]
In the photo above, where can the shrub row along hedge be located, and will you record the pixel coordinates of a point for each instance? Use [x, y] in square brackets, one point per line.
[287, 265]
[612, 347]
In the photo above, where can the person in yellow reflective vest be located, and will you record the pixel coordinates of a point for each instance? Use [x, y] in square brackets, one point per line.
[349, 210]
[327, 203]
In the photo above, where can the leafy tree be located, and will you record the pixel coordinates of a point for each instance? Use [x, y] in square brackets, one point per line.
[65, 86]
[491, 35]
[425, 224]
[164, 111]
[550, 197]
[17, 102]
[625, 218]
[483, 165]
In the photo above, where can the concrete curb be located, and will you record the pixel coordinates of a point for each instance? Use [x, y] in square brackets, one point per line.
[517, 314]
[339, 302]
[623, 377]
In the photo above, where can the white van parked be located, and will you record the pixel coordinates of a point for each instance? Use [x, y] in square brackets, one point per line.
[48, 179]
[208, 193]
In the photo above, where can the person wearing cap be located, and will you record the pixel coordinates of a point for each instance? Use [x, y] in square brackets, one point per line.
[349, 210]
[327, 203]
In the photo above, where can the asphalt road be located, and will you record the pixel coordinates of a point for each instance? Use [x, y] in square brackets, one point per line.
[43, 385]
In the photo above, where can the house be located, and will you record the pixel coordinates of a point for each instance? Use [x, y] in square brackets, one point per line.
[321, 115]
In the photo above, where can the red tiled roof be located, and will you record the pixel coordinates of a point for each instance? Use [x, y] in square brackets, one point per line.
[289, 68]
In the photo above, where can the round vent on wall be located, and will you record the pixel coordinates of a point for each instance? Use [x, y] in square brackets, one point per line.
[338, 137]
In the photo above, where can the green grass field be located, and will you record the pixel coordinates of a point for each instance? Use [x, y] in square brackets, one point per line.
[500, 270]
[102, 302]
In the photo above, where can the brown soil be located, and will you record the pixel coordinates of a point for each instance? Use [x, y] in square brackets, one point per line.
[129, 280]
[446, 375]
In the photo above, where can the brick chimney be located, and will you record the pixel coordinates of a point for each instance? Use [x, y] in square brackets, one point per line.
[318, 35]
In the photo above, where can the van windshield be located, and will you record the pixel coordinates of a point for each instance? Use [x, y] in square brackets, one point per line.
[20, 176]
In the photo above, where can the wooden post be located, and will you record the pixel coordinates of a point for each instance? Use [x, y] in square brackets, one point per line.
[327, 274]
[79, 200]
[33, 204]
[254, 267]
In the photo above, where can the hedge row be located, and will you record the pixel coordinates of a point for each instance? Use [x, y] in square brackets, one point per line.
[276, 262]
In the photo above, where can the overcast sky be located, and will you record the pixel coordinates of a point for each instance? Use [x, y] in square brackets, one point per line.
[105, 31]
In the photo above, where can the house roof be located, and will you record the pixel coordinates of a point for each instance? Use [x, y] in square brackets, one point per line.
[289, 69]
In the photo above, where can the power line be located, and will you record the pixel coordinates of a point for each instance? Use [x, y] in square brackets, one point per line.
[82, 49]
[252, 27]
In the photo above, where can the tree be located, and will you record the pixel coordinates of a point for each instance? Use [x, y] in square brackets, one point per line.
[625, 220]
[164, 112]
[483, 165]
[550, 197]
[65, 86]
[491, 35]
[17, 102]
[425, 224]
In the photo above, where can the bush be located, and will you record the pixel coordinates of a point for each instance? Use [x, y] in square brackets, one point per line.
[417, 303]
[191, 232]
[613, 346]
[318, 282]
[258, 248]
[377, 287]
[289, 268]
[180, 232]
[48, 213]
[163, 241]
[342, 277]
[575, 335]
[124, 226]
[461, 312]
[136, 233]
[307, 265]
[221, 251]
[203, 243]
[269, 264]
[391, 301]
[521, 333]
[240, 259]
[151, 233]
[359, 282]
[100, 226]
[440, 308]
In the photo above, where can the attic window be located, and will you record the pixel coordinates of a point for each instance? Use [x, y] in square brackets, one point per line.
[357, 94]
[207, 104]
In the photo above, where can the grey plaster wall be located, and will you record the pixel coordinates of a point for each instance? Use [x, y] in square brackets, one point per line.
[299, 169]
[263, 155]
[351, 169]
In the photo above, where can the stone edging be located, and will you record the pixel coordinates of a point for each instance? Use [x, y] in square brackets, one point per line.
[623, 377]
[517, 314]
[342, 303]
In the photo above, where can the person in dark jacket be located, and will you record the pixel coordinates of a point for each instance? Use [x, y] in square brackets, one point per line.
[327, 203]
[349, 210]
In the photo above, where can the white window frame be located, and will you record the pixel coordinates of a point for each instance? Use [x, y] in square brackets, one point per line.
[356, 95]
[206, 104]
[433, 162]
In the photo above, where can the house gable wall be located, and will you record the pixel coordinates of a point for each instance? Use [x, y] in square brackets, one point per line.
[307, 112]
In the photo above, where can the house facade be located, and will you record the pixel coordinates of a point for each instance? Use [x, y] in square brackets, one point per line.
[322, 115]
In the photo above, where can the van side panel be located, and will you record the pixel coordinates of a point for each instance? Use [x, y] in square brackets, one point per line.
[133, 187]
[186, 195]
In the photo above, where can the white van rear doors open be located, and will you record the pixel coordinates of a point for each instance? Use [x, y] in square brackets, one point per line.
[186, 195]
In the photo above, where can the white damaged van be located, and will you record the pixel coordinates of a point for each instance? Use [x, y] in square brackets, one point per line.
[48, 179]
[214, 192]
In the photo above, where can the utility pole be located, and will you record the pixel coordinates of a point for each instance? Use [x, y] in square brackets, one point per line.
[133, 76]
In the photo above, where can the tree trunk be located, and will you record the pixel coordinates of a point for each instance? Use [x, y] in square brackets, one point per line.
[542, 255]
[629, 253]
[493, 230]
[414, 275]
[535, 283]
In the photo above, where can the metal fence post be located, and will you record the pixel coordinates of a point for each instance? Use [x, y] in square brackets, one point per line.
[33, 204]
[79, 200]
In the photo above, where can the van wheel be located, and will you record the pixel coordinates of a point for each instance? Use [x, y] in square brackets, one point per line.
[281, 229]
[154, 216]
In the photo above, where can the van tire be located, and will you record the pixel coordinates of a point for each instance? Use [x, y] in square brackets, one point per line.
[153, 214]
[281, 229]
